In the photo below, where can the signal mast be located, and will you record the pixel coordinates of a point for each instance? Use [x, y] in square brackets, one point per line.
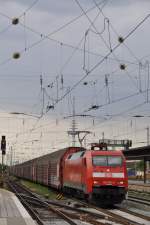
[73, 130]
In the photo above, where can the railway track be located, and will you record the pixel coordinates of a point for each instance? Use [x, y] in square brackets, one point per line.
[141, 188]
[71, 215]
[134, 213]
[86, 213]
[139, 197]
[40, 210]
[139, 200]
[121, 215]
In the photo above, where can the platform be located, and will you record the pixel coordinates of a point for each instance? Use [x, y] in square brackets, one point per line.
[12, 212]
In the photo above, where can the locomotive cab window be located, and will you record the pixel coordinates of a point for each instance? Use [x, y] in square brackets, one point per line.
[107, 160]
[99, 160]
[76, 155]
[114, 161]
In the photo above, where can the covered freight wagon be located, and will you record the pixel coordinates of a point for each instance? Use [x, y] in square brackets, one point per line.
[46, 169]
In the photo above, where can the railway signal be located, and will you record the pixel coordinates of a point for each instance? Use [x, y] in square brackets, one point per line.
[3, 149]
[3, 145]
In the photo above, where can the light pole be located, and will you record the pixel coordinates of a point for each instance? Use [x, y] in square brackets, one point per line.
[147, 128]
[148, 142]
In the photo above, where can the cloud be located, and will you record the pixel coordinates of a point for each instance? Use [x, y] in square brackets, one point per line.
[51, 6]
[20, 79]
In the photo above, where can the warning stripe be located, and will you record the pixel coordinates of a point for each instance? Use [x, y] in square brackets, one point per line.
[59, 196]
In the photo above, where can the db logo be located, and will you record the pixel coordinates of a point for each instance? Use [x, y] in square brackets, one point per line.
[108, 174]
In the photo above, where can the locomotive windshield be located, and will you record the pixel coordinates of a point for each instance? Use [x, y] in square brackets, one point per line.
[107, 160]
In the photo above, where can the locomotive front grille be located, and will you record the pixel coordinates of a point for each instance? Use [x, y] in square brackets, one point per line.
[116, 194]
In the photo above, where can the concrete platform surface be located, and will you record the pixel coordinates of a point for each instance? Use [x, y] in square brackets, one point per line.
[12, 212]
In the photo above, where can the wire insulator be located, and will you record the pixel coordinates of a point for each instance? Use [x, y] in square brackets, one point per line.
[85, 83]
[121, 39]
[122, 66]
[15, 21]
[16, 55]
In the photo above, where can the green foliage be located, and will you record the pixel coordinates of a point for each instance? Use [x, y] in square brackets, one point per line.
[39, 189]
[4, 168]
[137, 165]
[140, 165]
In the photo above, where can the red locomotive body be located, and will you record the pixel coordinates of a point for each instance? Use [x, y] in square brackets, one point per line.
[100, 175]
[92, 174]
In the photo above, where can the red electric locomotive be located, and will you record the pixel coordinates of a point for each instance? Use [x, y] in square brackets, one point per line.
[96, 174]
[92, 174]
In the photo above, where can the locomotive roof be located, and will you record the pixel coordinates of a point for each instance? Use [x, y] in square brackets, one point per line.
[106, 152]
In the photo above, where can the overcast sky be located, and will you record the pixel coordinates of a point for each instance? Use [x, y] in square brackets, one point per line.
[62, 41]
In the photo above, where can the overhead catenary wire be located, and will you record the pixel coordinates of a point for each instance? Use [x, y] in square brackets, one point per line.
[101, 10]
[99, 63]
[74, 51]
[114, 48]
[120, 99]
[92, 24]
[102, 60]
[116, 115]
[22, 14]
[44, 36]
[85, 38]
[29, 7]
[109, 45]
[76, 48]
[115, 101]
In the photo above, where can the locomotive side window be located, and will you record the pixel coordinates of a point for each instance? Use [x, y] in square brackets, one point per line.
[69, 156]
[107, 160]
[82, 154]
[76, 155]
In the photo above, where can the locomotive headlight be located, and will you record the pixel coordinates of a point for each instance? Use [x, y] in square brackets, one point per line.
[96, 182]
[121, 182]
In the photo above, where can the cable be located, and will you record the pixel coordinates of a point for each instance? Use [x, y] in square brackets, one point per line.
[29, 8]
[119, 100]
[101, 10]
[76, 48]
[85, 39]
[114, 48]
[43, 37]
[109, 47]
[131, 132]
[92, 24]
[9, 26]
[118, 114]
[99, 62]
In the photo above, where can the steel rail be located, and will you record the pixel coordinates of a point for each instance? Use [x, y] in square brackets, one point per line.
[139, 200]
[107, 214]
[134, 213]
[45, 204]
[87, 217]
[111, 216]
[34, 201]
[26, 205]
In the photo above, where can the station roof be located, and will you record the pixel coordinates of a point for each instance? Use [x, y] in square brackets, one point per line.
[138, 153]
